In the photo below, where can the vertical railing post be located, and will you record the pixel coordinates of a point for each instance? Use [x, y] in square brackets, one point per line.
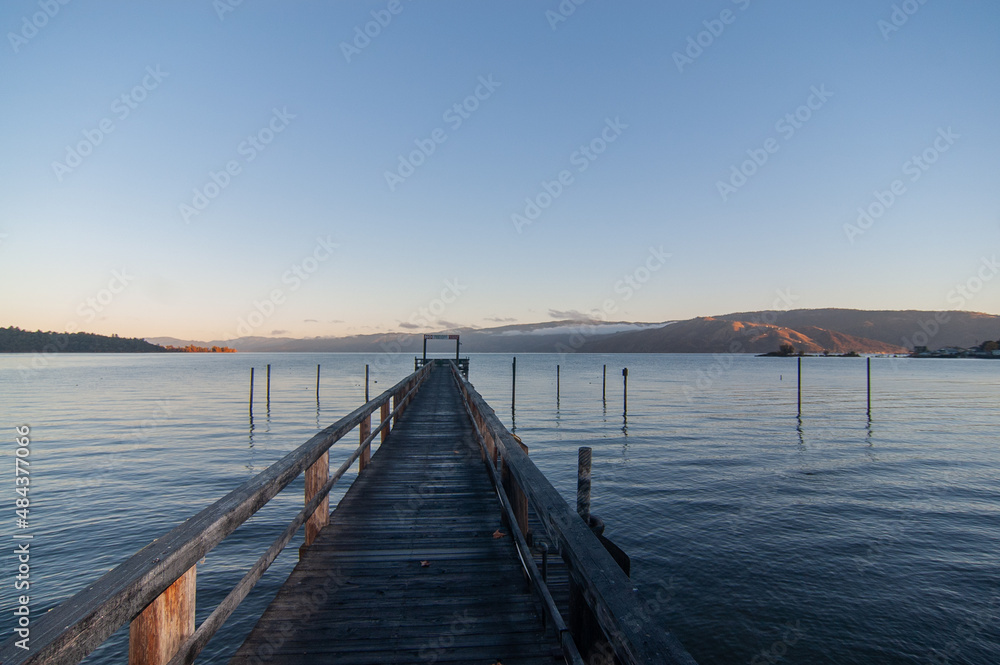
[383, 414]
[316, 477]
[365, 430]
[158, 632]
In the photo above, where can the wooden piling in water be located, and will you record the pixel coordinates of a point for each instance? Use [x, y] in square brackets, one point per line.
[557, 383]
[869, 372]
[251, 392]
[366, 384]
[625, 388]
[317, 383]
[513, 382]
[800, 385]
[604, 385]
[269, 385]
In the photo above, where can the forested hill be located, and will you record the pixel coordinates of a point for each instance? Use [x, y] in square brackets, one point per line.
[15, 340]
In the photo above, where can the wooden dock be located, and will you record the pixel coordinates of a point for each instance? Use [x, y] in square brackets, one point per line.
[409, 566]
[450, 546]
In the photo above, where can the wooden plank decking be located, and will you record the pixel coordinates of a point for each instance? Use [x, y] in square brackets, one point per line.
[361, 594]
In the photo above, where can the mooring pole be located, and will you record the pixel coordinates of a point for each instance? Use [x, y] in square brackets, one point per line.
[869, 368]
[513, 382]
[366, 384]
[557, 383]
[604, 385]
[800, 385]
[317, 382]
[251, 392]
[269, 385]
[625, 393]
[584, 456]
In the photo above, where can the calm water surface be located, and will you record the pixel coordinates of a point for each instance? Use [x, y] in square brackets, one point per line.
[761, 537]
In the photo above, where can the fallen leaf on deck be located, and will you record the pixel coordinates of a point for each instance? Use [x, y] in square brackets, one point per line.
[425, 564]
[499, 534]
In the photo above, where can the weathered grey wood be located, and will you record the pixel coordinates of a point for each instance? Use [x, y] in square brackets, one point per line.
[70, 631]
[606, 588]
[360, 594]
[519, 529]
[192, 647]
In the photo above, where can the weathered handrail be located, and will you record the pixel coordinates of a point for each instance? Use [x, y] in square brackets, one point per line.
[607, 590]
[570, 651]
[70, 631]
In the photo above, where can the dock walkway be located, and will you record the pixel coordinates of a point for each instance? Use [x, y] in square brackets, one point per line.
[408, 569]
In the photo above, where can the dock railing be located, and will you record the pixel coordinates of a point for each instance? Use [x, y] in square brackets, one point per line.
[619, 611]
[154, 590]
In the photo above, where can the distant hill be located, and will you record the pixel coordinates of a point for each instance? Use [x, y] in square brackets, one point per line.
[718, 335]
[549, 337]
[15, 340]
[903, 327]
[808, 330]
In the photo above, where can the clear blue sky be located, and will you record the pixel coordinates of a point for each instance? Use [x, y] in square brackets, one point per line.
[679, 127]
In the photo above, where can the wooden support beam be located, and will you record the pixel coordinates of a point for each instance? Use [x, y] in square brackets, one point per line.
[158, 632]
[383, 414]
[316, 477]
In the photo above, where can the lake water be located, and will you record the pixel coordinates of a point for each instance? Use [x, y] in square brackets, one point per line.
[762, 537]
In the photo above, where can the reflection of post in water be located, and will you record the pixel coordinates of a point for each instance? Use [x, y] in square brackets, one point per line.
[250, 464]
[269, 394]
[625, 424]
[798, 428]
